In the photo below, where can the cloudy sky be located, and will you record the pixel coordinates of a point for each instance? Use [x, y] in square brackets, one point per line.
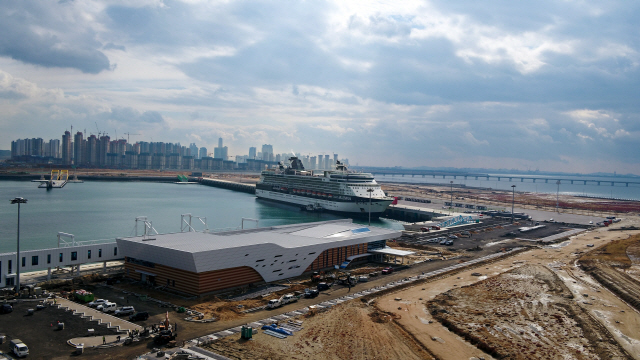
[552, 85]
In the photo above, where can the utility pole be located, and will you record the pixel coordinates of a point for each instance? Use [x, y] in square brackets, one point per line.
[513, 200]
[558, 197]
[369, 191]
[18, 201]
[451, 204]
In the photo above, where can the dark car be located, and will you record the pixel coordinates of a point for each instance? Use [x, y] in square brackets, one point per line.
[311, 293]
[323, 286]
[142, 315]
[5, 309]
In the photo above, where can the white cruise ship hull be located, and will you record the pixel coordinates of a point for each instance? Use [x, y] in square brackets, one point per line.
[350, 208]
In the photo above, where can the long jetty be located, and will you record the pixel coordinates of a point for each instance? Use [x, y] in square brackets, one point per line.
[248, 188]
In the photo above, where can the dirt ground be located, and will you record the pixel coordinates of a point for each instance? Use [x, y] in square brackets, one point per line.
[619, 318]
[525, 313]
[351, 330]
[522, 199]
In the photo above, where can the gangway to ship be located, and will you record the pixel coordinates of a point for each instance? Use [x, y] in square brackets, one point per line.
[58, 179]
[456, 220]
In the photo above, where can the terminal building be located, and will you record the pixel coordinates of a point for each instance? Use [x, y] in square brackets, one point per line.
[203, 262]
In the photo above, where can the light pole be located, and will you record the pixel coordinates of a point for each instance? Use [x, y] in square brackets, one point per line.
[513, 200]
[558, 197]
[18, 201]
[451, 204]
[369, 191]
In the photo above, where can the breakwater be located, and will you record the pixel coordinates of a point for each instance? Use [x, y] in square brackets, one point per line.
[248, 188]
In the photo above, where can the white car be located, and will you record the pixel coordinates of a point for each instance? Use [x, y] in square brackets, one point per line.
[97, 302]
[125, 310]
[107, 307]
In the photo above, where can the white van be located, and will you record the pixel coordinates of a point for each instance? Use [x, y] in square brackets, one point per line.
[19, 348]
[108, 307]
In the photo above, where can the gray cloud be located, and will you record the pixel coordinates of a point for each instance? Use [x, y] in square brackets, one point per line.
[543, 84]
[31, 35]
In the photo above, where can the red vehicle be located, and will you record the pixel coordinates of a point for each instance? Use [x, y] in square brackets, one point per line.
[424, 229]
[387, 270]
[434, 227]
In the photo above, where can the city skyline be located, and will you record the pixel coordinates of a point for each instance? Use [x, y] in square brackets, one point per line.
[547, 85]
[101, 151]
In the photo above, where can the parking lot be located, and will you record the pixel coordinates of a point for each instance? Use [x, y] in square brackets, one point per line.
[488, 233]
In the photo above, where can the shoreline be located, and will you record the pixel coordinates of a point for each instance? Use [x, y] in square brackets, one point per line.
[540, 201]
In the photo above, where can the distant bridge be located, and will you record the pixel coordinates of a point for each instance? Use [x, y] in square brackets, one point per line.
[487, 177]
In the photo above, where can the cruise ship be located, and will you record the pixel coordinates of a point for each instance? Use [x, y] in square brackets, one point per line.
[340, 191]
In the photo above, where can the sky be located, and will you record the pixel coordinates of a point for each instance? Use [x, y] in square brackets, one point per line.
[549, 85]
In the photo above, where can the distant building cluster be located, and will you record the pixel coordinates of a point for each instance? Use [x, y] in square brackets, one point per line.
[102, 152]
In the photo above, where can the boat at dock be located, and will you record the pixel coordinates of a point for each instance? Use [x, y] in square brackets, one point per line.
[339, 190]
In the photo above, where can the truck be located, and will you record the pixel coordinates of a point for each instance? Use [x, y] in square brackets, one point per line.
[274, 303]
[288, 298]
[19, 348]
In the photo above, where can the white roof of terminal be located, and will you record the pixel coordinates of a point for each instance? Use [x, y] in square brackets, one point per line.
[286, 236]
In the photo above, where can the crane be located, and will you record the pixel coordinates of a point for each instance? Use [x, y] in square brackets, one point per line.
[129, 142]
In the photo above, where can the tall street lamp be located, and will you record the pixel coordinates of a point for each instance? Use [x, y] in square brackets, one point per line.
[513, 200]
[369, 191]
[451, 204]
[18, 201]
[558, 197]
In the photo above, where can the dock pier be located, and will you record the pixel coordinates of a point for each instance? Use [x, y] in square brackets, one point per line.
[248, 188]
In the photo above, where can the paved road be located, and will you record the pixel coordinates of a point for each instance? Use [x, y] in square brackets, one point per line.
[537, 215]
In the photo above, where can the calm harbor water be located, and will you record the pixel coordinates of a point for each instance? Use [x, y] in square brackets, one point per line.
[604, 190]
[106, 210]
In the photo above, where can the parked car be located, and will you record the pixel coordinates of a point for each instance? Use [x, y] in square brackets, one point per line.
[323, 286]
[452, 237]
[141, 315]
[289, 298]
[311, 293]
[274, 303]
[125, 310]
[387, 270]
[108, 307]
[363, 278]
[97, 302]
[19, 348]
[449, 242]
[5, 308]
[443, 241]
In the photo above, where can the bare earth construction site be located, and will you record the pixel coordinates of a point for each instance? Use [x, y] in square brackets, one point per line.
[539, 303]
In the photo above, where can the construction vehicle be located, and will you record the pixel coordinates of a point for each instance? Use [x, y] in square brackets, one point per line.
[166, 333]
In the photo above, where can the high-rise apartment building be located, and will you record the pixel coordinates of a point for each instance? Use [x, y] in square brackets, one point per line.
[103, 149]
[92, 150]
[203, 153]
[52, 148]
[77, 149]
[252, 153]
[320, 162]
[67, 151]
[193, 151]
[267, 152]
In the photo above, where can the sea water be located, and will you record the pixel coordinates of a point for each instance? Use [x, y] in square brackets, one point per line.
[96, 210]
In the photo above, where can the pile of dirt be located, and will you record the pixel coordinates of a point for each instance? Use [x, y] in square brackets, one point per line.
[526, 313]
[345, 332]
